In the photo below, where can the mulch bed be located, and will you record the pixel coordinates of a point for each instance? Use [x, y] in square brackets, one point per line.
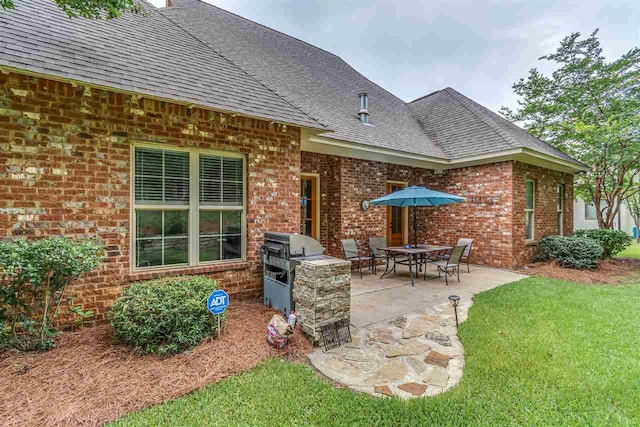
[609, 272]
[89, 380]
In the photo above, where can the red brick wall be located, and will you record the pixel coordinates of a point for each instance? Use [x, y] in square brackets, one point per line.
[546, 223]
[347, 183]
[487, 216]
[329, 176]
[65, 156]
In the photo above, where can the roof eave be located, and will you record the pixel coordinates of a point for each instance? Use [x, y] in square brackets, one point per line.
[5, 69]
[524, 155]
[312, 142]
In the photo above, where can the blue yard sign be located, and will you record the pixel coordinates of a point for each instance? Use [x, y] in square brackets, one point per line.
[218, 302]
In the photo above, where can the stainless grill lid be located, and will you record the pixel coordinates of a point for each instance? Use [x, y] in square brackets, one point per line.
[300, 244]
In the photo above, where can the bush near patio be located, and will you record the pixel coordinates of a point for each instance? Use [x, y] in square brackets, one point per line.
[572, 252]
[612, 241]
[164, 316]
[33, 277]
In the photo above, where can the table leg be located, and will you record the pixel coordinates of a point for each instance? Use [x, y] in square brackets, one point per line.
[410, 270]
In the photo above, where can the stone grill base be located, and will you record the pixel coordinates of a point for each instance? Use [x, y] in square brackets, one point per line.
[322, 294]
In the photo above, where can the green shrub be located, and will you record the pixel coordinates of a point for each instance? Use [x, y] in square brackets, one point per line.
[33, 277]
[164, 316]
[612, 241]
[572, 252]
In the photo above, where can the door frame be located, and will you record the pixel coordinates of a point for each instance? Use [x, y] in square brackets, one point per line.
[405, 214]
[315, 177]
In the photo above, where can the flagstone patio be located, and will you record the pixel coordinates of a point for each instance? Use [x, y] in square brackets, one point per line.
[405, 341]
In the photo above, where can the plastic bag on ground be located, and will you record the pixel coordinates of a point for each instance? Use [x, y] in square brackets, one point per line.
[278, 332]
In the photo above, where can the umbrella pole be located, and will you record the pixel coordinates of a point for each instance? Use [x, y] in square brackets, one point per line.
[415, 229]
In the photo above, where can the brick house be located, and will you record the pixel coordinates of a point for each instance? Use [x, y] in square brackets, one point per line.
[177, 137]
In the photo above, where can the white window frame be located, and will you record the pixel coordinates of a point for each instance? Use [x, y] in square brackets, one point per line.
[560, 208]
[194, 208]
[532, 210]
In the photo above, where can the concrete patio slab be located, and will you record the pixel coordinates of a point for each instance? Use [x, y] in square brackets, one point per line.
[405, 341]
[374, 299]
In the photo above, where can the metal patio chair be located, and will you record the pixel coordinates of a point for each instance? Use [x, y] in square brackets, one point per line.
[467, 251]
[450, 265]
[352, 253]
[375, 251]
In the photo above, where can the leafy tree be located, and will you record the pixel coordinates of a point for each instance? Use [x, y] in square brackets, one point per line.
[91, 9]
[634, 207]
[590, 109]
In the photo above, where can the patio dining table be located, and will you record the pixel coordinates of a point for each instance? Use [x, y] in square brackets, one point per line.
[412, 253]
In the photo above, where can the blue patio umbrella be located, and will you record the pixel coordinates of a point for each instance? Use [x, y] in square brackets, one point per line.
[416, 196]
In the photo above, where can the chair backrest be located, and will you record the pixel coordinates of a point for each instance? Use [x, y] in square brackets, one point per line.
[376, 244]
[349, 248]
[467, 243]
[456, 255]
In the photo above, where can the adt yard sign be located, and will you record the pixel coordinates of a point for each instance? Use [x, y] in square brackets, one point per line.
[218, 301]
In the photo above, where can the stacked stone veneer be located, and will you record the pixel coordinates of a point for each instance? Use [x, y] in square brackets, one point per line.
[322, 294]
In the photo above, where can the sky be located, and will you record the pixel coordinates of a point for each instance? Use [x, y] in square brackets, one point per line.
[414, 47]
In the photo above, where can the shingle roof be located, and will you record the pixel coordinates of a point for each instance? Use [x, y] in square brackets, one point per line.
[143, 53]
[318, 82]
[197, 53]
[464, 128]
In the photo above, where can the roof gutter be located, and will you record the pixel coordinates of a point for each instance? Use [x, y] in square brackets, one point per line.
[521, 154]
[339, 147]
[324, 145]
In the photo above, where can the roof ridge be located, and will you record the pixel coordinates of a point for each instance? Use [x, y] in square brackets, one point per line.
[306, 43]
[427, 95]
[207, 45]
[462, 100]
[300, 40]
[257, 23]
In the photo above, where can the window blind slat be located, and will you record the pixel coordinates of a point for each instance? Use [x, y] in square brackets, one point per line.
[232, 169]
[162, 177]
[221, 181]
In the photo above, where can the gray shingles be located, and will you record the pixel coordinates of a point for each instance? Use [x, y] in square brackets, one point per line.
[464, 128]
[146, 53]
[444, 125]
[195, 52]
[318, 82]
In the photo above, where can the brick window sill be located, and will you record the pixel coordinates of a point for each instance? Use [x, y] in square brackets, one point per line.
[179, 271]
[531, 243]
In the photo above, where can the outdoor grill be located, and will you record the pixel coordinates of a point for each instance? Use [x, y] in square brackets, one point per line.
[281, 253]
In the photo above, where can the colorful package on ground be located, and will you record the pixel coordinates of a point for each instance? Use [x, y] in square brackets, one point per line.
[278, 332]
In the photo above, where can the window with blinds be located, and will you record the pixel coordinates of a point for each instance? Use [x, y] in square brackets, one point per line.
[174, 227]
[221, 181]
[529, 210]
[560, 209]
[162, 177]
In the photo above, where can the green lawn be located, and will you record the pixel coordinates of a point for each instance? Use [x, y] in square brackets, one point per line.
[538, 352]
[632, 251]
